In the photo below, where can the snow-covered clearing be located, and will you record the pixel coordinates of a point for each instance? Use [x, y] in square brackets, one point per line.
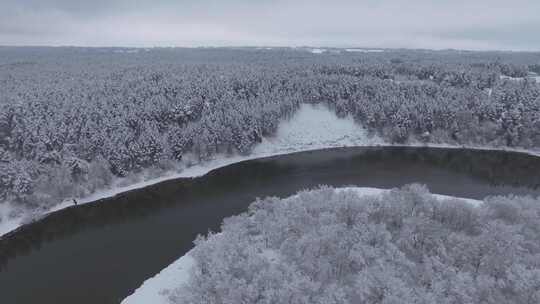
[315, 127]
[155, 290]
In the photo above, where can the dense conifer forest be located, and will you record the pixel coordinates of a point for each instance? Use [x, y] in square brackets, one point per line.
[73, 119]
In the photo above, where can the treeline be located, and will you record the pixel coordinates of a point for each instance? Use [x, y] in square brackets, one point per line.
[403, 246]
[72, 119]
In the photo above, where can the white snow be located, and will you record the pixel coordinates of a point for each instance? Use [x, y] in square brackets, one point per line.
[155, 289]
[127, 51]
[365, 50]
[6, 224]
[318, 51]
[377, 191]
[503, 77]
[315, 127]
[536, 78]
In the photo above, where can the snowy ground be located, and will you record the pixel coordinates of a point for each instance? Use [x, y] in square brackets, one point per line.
[313, 127]
[156, 289]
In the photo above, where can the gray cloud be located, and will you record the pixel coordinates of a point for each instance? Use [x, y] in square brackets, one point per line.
[473, 24]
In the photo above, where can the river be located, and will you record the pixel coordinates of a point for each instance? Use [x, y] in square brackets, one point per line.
[101, 252]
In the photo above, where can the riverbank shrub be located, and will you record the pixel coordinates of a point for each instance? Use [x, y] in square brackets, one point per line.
[403, 246]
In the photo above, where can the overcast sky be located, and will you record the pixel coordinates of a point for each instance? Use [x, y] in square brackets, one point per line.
[459, 24]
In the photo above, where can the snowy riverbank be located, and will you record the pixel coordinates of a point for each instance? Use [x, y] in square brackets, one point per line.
[156, 289]
[313, 127]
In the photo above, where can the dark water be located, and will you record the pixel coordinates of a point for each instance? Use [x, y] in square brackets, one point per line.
[100, 253]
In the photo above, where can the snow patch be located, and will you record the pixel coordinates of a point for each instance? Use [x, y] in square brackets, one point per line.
[315, 127]
[362, 191]
[155, 289]
[365, 50]
[317, 51]
[504, 77]
[6, 222]
[126, 51]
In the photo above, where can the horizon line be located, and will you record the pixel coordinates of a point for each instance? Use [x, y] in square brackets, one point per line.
[262, 47]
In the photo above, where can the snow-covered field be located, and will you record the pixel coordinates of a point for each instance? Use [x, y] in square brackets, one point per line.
[313, 127]
[155, 290]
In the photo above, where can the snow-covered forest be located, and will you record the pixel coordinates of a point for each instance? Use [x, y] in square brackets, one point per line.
[340, 246]
[73, 119]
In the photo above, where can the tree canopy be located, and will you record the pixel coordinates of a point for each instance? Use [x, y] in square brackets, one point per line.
[339, 246]
[72, 119]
